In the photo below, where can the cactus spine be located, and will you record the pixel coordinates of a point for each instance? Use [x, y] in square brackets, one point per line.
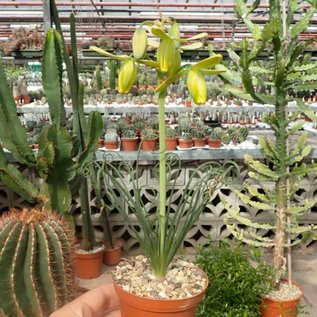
[36, 263]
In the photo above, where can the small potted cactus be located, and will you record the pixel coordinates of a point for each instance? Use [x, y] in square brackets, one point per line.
[129, 140]
[170, 139]
[199, 137]
[149, 139]
[185, 140]
[153, 122]
[111, 141]
[215, 137]
[238, 136]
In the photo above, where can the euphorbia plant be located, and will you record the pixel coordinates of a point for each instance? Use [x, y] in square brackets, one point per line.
[61, 153]
[162, 237]
[284, 166]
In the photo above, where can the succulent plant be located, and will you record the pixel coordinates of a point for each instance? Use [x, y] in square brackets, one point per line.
[153, 121]
[122, 122]
[128, 133]
[148, 133]
[111, 135]
[198, 133]
[184, 122]
[186, 135]
[139, 125]
[216, 134]
[36, 263]
[171, 132]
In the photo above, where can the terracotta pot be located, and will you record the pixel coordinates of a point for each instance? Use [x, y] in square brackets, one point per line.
[129, 144]
[135, 306]
[199, 142]
[149, 144]
[88, 265]
[26, 99]
[274, 308]
[214, 143]
[171, 144]
[111, 145]
[100, 143]
[112, 256]
[185, 144]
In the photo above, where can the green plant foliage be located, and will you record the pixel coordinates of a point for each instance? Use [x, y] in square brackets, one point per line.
[61, 152]
[284, 166]
[198, 191]
[237, 277]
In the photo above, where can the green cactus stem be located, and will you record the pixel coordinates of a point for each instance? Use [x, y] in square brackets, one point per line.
[36, 263]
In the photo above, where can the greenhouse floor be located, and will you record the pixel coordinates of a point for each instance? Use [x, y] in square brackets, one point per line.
[305, 274]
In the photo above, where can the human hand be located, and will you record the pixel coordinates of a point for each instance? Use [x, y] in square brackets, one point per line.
[99, 302]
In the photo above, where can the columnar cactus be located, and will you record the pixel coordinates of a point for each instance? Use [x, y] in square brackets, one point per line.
[36, 250]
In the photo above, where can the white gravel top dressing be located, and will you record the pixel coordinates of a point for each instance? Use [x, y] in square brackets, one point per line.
[182, 280]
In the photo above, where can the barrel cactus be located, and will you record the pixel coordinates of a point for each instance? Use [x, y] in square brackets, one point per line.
[36, 256]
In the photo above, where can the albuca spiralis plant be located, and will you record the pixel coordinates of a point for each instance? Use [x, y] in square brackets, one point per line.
[36, 258]
[162, 235]
[284, 166]
[60, 153]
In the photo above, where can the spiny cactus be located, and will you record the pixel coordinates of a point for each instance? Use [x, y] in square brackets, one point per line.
[36, 256]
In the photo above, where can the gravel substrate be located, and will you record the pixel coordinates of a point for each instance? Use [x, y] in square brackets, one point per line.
[182, 280]
[287, 292]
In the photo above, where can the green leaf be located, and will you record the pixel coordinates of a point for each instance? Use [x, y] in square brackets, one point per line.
[15, 180]
[260, 70]
[105, 53]
[307, 110]
[234, 56]
[260, 168]
[302, 24]
[304, 67]
[296, 127]
[292, 8]
[238, 92]
[255, 204]
[255, 192]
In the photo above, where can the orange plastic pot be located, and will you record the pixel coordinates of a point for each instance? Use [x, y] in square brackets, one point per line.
[214, 143]
[136, 306]
[149, 145]
[171, 144]
[129, 144]
[185, 144]
[112, 256]
[199, 142]
[111, 145]
[273, 308]
[88, 265]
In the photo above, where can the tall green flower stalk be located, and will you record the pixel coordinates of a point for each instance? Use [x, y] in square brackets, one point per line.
[162, 235]
[284, 166]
